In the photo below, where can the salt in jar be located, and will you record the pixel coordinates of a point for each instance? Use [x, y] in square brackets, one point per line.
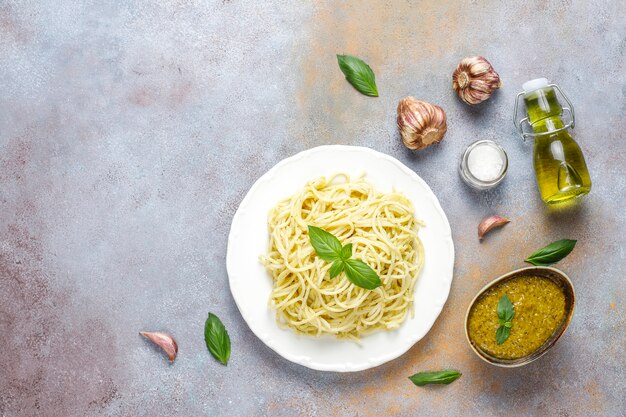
[484, 164]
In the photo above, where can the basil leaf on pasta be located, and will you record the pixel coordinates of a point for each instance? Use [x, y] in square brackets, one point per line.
[328, 247]
[361, 275]
[336, 268]
[325, 244]
[346, 252]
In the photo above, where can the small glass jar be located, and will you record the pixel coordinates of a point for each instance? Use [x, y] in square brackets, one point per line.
[483, 165]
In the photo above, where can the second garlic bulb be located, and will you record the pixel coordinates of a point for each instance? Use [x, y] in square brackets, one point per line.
[474, 80]
[421, 124]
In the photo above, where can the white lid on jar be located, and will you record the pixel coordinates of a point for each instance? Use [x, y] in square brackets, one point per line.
[535, 84]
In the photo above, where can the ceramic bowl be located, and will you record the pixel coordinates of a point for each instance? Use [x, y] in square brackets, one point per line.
[559, 278]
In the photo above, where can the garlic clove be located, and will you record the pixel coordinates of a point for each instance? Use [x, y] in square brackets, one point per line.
[421, 124]
[164, 341]
[475, 80]
[489, 223]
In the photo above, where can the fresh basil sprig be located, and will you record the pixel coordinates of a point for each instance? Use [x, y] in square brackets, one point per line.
[360, 274]
[440, 377]
[506, 312]
[359, 74]
[552, 253]
[217, 339]
[329, 249]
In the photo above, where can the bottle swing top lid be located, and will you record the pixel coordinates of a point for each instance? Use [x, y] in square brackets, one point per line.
[535, 84]
[529, 87]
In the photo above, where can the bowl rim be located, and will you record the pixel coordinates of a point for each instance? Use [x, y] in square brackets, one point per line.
[548, 343]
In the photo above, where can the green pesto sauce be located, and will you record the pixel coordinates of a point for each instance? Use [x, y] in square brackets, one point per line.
[539, 310]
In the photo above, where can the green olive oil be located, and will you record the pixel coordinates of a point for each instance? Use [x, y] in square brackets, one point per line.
[559, 163]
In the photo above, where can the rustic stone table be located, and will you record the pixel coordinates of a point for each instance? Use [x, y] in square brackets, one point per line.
[131, 130]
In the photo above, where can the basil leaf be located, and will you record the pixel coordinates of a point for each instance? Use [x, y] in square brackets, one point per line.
[441, 377]
[505, 309]
[502, 334]
[329, 249]
[552, 253]
[359, 74]
[506, 312]
[217, 339]
[361, 275]
[346, 252]
[325, 244]
[336, 268]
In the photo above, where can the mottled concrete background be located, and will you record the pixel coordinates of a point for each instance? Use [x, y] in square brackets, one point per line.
[131, 130]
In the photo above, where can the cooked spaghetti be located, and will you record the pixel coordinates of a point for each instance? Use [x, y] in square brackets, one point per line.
[383, 231]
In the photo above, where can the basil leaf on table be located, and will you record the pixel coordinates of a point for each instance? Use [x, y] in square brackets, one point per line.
[441, 377]
[359, 74]
[361, 275]
[552, 253]
[217, 339]
[325, 244]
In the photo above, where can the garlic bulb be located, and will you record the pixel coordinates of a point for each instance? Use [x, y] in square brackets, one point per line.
[421, 124]
[474, 80]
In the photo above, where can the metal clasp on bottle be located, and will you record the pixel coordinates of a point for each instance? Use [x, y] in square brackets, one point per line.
[519, 124]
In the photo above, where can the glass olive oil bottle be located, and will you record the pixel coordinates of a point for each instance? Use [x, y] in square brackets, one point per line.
[560, 167]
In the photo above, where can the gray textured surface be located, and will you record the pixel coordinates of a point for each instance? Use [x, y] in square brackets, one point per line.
[130, 131]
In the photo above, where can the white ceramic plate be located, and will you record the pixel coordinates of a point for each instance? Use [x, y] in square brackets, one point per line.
[251, 284]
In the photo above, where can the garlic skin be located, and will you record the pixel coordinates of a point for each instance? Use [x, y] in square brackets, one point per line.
[164, 341]
[489, 223]
[421, 124]
[474, 80]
